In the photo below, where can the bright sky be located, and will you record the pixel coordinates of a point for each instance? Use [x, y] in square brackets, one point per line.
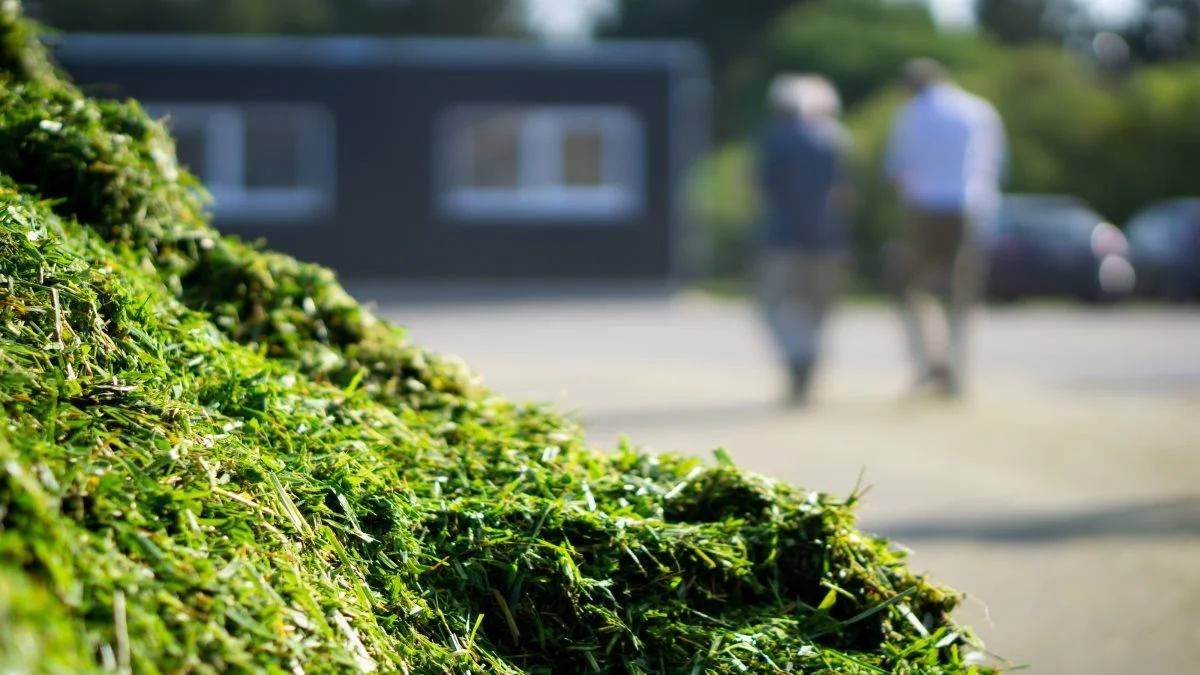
[571, 19]
[567, 19]
[959, 11]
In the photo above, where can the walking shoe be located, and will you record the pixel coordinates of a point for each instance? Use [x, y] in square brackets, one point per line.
[800, 381]
[944, 382]
[937, 380]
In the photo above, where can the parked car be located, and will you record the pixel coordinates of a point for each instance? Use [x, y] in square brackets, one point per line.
[1056, 245]
[1164, 240]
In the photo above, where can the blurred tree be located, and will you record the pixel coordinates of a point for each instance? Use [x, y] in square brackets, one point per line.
[1165, 30]
[1152, 150]
[730, 31]
[862, 44]
[1017, 22]
[727, 30]
[384, 17]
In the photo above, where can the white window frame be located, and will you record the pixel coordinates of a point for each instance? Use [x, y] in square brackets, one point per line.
[541, 194]
[223, 127]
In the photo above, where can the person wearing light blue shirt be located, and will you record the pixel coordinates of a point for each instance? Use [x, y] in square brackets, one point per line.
[946, 158]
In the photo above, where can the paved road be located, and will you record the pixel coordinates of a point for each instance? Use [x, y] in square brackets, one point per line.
[1063, 495]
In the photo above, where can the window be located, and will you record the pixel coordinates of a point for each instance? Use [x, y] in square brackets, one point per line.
[260, 162]
[500, 162]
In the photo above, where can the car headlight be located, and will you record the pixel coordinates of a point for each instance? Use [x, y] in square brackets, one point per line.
[1108, 240]
[1116, 275]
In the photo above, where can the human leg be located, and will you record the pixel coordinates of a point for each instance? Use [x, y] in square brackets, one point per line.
[820, 276]
[788, 313]
[950, 268]
[769, 293]
[904, 281]
[830, 272]
[968, 277]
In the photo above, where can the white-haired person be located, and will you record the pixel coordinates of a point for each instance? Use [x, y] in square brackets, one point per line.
[803, 240]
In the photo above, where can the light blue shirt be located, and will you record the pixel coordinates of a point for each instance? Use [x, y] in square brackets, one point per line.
[948, 152]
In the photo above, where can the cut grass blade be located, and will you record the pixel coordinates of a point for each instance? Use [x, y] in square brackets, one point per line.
[215, 460]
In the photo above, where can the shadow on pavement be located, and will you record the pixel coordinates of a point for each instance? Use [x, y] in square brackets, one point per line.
[1178, 383]
[1176, 518]
[715, 414]
[740, 412]
[466, 294]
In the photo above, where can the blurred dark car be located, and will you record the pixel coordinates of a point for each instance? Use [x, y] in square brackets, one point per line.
[1164, 241]
[1056, 246]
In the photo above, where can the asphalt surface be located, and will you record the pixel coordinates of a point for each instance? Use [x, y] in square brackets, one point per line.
[1062, 495]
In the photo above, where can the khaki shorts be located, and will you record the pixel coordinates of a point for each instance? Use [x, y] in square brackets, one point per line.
[936, 254]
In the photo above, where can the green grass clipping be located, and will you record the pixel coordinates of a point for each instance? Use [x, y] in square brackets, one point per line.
[214, 460]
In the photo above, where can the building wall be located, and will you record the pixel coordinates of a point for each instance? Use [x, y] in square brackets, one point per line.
[386, 118]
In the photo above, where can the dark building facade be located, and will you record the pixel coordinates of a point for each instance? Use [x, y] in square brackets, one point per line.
[431, 160]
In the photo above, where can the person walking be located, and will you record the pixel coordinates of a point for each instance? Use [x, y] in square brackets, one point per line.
[802, 243]
[946, 156]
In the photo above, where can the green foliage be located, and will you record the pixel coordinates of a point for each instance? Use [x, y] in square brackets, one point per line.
[862, 44]
[722, 189]
[213, 460]
[1020, 22]
[1154, 141]
[730, 33]
[1165, 31]
[38, 635]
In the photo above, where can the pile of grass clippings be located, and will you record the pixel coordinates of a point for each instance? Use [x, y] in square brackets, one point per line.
[214, 460]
